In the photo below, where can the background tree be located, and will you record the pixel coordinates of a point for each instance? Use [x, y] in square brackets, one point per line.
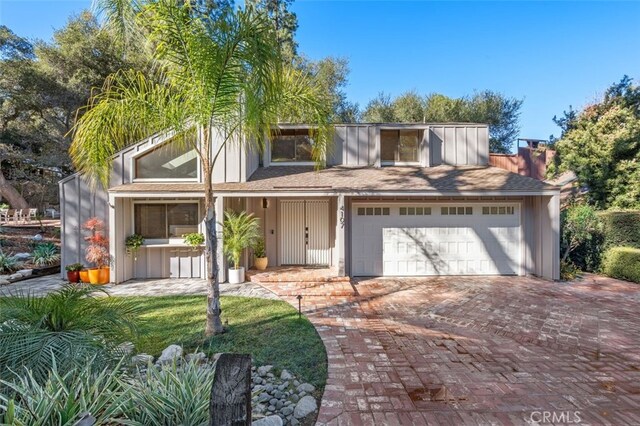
[222, 75]
[501, 113]
[42, 85]
[601, 145]
[285, 24]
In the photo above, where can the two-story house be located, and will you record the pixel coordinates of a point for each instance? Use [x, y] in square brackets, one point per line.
[395, 200]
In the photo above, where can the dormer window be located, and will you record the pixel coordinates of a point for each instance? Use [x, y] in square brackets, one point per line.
[168, 161]
[399, 146]
[291, 146]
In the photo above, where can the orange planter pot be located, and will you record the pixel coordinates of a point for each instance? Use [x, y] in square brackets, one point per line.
[84, 275]
[99, 276]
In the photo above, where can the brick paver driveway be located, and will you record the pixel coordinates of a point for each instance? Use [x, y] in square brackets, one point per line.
[504, 350]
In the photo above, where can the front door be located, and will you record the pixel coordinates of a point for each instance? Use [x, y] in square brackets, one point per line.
[304, 232]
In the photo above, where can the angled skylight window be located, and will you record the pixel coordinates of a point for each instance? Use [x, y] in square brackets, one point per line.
[171, 160]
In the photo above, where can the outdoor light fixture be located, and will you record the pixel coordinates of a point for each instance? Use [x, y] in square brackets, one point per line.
[265, 203]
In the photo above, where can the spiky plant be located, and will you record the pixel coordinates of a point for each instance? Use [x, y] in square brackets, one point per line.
[8, 263]
[64, 398]
[239, 231]
[70, 324]
[45, 254]
[224, 76]
[170, 396]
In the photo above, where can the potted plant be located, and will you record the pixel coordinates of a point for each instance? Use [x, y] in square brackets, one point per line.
[260, 259]
[239, 231]
[195, 240]
[133, 243]
[97, 252]
[73, 272]
[84, 275]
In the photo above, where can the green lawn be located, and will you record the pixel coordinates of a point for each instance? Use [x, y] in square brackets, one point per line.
[268, 329]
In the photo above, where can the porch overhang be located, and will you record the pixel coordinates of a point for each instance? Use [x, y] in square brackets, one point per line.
[157, 190]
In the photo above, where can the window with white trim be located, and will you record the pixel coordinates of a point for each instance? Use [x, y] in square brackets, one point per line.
[415, 211]
[456, 211]
[171, 160]
[373, 211]
[498, 210]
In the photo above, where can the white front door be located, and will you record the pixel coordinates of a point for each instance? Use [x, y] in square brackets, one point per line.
[304, 232]
[416, 239]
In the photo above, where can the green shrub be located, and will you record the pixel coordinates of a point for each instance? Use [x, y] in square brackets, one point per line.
[8, 263]
[70, 324]
[621, 228]
[581, 237]
[45, 254]
[623, 263]
[64, 398]
[170, 396]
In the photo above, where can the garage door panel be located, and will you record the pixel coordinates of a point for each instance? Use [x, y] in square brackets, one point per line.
[436, 244]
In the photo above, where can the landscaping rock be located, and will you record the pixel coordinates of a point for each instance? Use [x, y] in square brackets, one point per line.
[304, 407]
[171, 353]
[198, 357]
[268, 421]
[264, 370]
[141, 359]
[306, 387]
[287, 411]
[25, 272]
[285, 375]
[264, 397]
[4, 281]
[14, 277]
[22, 256]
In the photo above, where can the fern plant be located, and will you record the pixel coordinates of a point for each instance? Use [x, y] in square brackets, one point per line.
[45, 254]
[71, 324]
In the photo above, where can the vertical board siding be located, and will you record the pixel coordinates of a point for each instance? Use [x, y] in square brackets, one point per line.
[459, 145]
[292, 246]
[317, 221]
[334, 157]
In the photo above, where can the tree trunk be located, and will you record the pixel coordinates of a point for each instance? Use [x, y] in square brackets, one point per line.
[10, 194]
[214, 323]
[230, 401]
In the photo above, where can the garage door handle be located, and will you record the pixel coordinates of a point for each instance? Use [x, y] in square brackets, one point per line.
[306, 235]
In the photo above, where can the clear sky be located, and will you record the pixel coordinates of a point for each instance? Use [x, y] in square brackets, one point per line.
[551, 54]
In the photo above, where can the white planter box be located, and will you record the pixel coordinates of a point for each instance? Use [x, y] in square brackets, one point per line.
[236, 276]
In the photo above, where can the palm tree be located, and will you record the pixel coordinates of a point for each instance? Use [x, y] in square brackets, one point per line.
[239, 231]
[69, 326]
[224, 75]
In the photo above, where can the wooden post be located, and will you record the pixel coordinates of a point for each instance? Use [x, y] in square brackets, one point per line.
[230, 403]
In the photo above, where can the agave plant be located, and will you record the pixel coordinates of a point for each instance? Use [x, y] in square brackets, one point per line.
[45, 254]
[71, 324]
[8, 263]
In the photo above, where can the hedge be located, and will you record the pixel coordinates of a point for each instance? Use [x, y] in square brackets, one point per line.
[623, 263]
[621, 228]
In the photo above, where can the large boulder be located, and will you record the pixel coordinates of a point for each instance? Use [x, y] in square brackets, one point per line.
[304, 407]
[170, 354]
[268, 421]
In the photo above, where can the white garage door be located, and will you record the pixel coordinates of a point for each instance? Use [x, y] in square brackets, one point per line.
[436, 239]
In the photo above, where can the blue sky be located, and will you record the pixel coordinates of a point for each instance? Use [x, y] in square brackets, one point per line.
[551, 54]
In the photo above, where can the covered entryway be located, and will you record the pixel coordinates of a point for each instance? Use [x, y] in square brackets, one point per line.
[304, 232]
[415, 239]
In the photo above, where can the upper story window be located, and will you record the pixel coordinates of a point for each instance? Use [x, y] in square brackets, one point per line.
[163, 221]
[399, 146]
[291, 145]
[168, 161]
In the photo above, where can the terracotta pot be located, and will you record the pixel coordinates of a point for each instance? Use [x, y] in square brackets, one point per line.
[99, 276]
[73, 276]
[84, 275]
[261, 263]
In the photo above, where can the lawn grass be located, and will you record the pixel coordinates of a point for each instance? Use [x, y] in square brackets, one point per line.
[268, 329]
